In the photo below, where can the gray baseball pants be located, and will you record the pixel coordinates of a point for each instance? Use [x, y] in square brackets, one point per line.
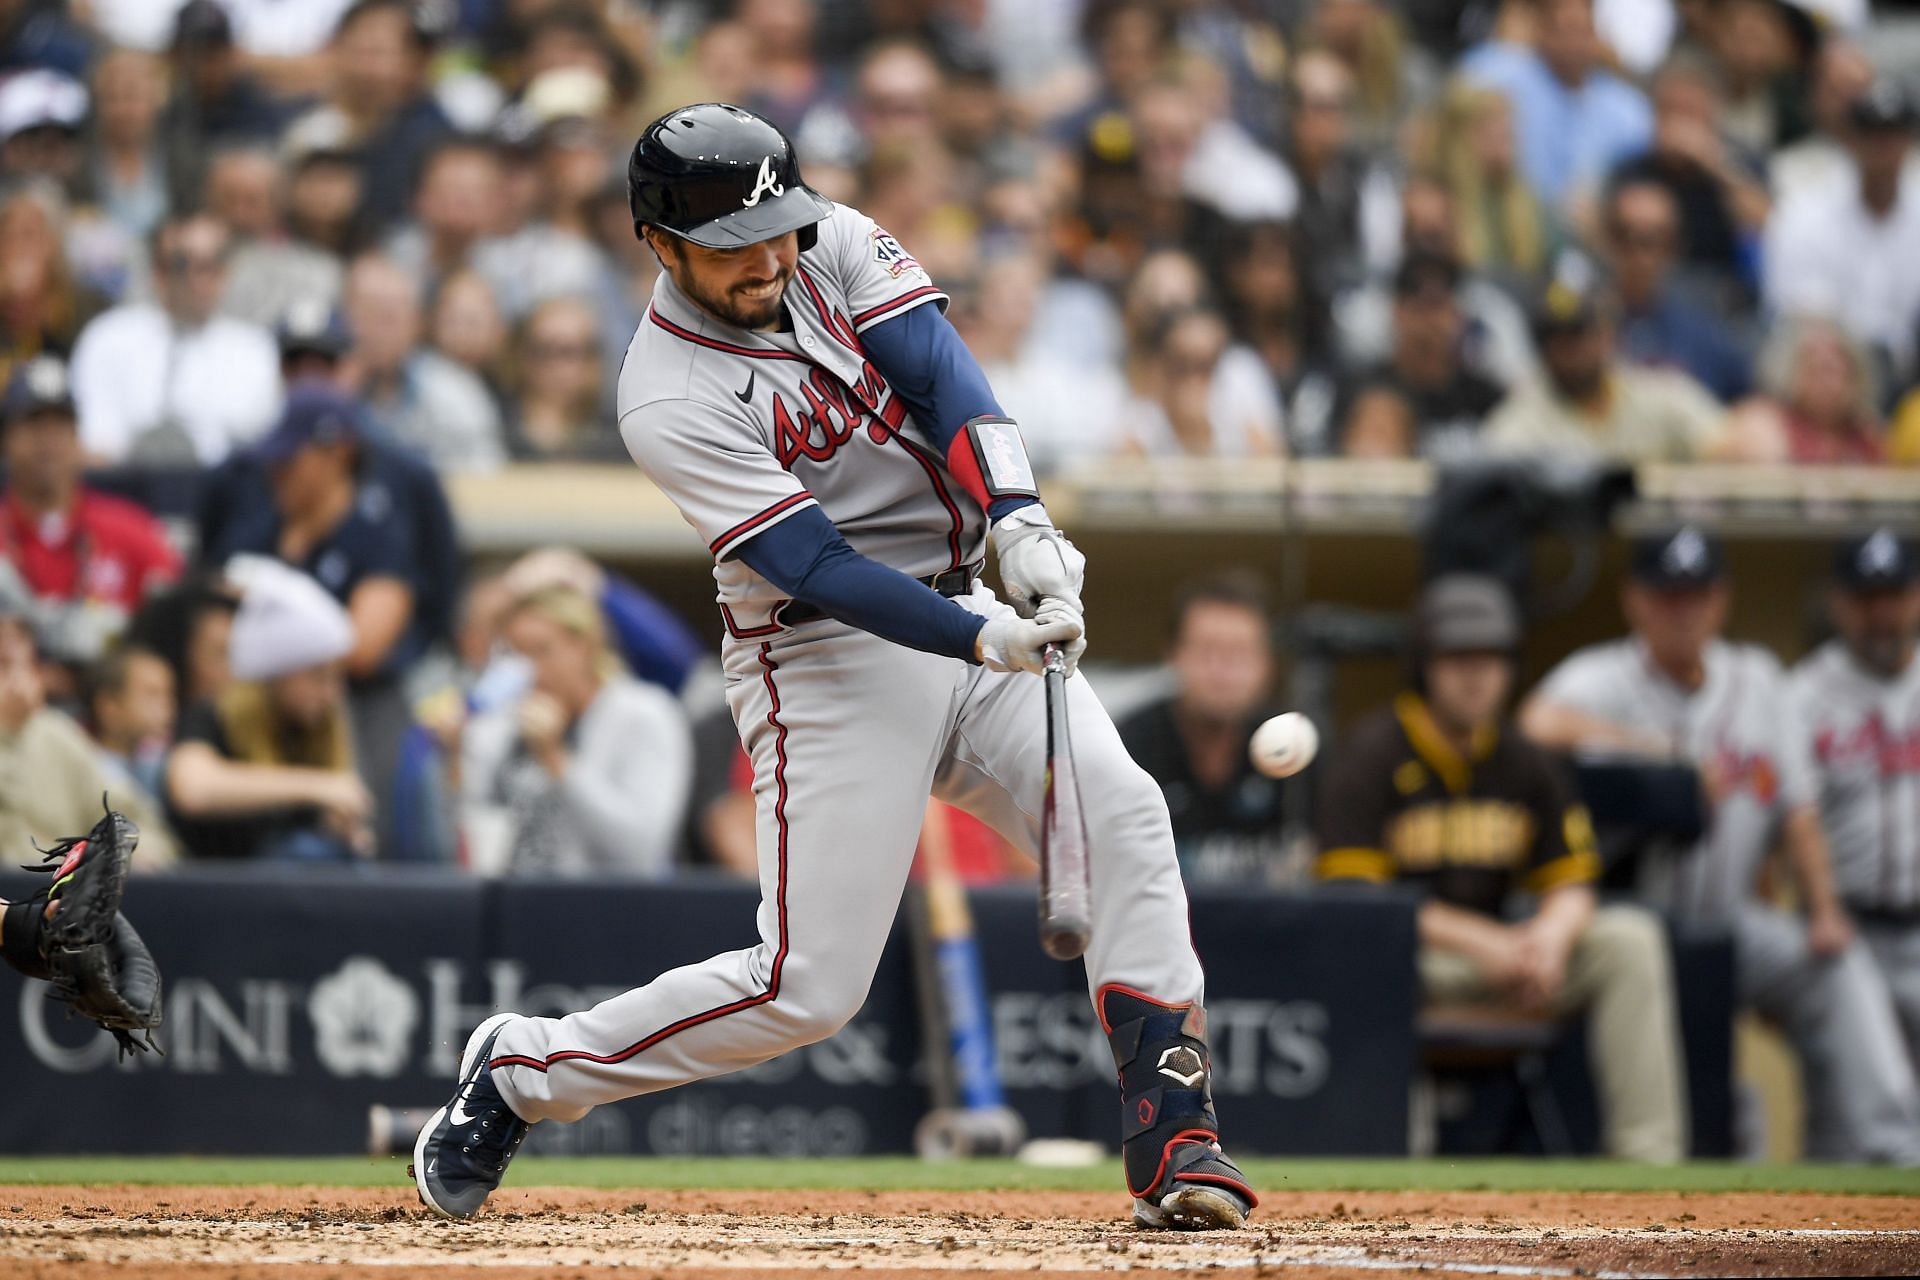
[848, 734]
[1862, 1100]
[1896, 952]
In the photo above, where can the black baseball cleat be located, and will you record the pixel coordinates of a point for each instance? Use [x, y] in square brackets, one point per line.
[1170, 1148]
[463, 1151]
[1200, 1190]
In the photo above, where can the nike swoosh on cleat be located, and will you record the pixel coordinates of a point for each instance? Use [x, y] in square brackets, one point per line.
[746, 397]
[457, 1114]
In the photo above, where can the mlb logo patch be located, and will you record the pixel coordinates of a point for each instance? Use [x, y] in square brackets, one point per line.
[888, 253]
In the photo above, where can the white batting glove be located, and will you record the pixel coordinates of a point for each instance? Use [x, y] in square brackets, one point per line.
[1053, 609]
[1012, 643]
[1036, 561]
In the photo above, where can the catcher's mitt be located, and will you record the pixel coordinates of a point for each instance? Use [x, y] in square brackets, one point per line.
[86, 949]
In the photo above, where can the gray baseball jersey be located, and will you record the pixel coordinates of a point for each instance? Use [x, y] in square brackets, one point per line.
[743, 429]
[1739, 725]
[1866, 746]
[1742, 726]
[848, 733]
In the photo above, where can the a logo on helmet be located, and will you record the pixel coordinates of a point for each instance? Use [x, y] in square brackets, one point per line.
[763, 185]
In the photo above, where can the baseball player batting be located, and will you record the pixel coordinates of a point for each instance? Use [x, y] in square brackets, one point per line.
[797, 391]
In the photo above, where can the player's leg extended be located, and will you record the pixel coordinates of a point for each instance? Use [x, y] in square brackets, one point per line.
[1145, 978]
[1861, 1098]
[843, 730]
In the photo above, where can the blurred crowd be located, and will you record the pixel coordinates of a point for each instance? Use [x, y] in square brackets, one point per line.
[270, 272]
[1217, 228]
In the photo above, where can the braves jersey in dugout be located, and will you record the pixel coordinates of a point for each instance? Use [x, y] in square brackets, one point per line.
[1739, 728]
[1866, 747]
[744, 428]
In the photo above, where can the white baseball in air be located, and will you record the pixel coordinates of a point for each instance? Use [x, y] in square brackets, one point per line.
[1284, 745]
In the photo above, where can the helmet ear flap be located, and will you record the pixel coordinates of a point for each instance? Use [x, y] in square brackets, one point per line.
[809, 234]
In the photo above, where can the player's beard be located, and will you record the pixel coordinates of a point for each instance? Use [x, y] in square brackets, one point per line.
[1885, 651]
[736, 309]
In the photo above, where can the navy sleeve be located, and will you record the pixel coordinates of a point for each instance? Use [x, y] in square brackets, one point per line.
[805, 556]
[921, 356]
[656, 643]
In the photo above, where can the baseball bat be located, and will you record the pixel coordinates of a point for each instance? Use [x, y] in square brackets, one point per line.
[1065, 915]
[970, 1116]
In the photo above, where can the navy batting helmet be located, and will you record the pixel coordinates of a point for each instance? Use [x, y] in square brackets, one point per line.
[722, 177]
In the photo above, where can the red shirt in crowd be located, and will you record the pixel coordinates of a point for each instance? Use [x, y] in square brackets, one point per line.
[105, 549]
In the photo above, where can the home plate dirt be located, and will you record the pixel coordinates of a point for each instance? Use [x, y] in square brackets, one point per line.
[92, 1233]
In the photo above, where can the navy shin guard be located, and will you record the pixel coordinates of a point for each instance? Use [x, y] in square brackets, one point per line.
[1168, 1131]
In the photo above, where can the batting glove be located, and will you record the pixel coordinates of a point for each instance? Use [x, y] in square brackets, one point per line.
[1053, 609]
[1037, 562]
[1012, 643]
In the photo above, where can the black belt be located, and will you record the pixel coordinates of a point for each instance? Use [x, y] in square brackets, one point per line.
[954, 582]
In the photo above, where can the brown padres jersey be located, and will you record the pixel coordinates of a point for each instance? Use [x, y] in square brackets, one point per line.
[1401, 803]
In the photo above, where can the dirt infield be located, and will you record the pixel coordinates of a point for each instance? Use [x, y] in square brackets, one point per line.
[200, 1233]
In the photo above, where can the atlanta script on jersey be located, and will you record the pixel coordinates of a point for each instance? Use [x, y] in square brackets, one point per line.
[744, 429]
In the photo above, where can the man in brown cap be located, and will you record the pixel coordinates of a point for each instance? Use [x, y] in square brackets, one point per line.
[1440, 792]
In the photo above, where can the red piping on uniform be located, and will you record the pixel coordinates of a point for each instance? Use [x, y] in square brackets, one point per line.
[867, 317]
[896, 408]
[834, 324]
[1100, 1009]
[772, 992]
[932, 468]
[748, 525]
[745, 633]
[1202, 1138]
[731, 348]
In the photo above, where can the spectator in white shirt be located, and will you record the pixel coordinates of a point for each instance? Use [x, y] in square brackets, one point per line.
[172, 381]
[270, 28]
[1850, 251]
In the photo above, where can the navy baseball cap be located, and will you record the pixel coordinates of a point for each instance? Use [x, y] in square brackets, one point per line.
[37, 385]
[1878, 562]
[315, 414]
[1679, 559]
